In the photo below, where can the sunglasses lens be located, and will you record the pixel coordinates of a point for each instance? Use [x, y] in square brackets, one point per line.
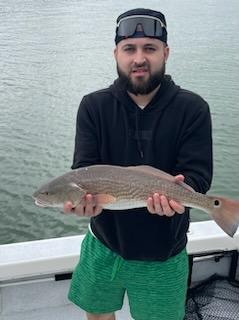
[149, 26]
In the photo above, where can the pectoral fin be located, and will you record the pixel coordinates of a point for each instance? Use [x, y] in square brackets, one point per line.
[75, 193]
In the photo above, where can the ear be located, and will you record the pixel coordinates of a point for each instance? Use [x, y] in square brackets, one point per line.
[115, 52]
[166, 53]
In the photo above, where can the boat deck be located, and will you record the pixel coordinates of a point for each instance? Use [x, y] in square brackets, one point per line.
[42, 300]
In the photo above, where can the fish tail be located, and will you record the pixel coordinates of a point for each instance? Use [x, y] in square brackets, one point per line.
[226, 214]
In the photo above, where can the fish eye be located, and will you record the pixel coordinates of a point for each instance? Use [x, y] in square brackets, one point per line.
[217, 203]
[45, 193]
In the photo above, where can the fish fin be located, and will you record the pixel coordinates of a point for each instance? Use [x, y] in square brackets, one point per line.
[76, 193]
[185, 186]
[75, 186]
[103, 199]
[226, 214]
[160, 174]
[152, 171]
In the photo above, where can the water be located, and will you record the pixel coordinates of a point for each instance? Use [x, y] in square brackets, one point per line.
[54, 52]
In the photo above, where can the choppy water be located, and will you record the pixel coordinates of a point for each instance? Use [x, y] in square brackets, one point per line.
[54, 52]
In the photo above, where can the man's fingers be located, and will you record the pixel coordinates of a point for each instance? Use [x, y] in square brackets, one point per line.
[68, 207]
[177, 207]
[179, 178]
[88, 207]
[154, 205]
[159, 204]
[150, 205]
[167, 210]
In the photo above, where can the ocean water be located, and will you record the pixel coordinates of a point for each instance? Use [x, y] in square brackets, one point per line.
[54, 52]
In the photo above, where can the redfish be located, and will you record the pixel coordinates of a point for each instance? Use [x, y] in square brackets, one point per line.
[119, 188]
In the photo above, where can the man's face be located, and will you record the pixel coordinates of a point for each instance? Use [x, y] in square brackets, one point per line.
[141, 63]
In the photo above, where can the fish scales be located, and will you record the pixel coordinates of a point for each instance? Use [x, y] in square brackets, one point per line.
[124, 184]
[116, 187]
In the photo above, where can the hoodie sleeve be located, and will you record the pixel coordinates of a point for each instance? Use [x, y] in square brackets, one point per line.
[86, 145]
[195, 160]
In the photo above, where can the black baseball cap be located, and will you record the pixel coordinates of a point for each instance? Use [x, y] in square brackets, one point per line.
[138, 23]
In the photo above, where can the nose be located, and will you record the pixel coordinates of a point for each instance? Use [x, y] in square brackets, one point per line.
[139, 57]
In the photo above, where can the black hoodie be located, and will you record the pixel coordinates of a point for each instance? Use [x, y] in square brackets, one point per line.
[172, 133]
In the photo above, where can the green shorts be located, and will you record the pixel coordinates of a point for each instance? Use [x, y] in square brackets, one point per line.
[155, 290]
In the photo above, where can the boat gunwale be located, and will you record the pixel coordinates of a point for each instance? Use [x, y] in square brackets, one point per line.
[60, 255]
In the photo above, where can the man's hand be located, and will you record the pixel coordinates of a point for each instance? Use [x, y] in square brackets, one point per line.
[89, 207]
[159, 204]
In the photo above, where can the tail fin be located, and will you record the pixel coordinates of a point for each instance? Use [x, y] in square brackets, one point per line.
[226, 214]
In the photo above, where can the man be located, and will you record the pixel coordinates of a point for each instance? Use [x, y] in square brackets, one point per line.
[144, 118]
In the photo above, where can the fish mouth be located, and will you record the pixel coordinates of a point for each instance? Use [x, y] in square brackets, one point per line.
[41, 204]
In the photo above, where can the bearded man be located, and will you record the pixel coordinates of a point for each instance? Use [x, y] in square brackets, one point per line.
[143, 118]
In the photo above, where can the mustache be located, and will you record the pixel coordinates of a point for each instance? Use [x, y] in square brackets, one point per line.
[142, 66]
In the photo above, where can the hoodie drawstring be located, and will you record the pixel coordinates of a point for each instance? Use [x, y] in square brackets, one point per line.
[138, 137]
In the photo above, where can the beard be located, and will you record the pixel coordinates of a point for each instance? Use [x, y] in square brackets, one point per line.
[141, 87]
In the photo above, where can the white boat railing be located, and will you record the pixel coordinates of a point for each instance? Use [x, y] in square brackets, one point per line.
[60, 255]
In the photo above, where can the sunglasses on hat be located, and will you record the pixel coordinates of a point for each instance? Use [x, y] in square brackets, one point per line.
[152, 26]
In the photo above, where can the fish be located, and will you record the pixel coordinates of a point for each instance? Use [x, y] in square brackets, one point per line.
[118, 187]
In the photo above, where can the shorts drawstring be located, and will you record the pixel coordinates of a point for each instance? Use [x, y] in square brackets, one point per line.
[116, 267]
